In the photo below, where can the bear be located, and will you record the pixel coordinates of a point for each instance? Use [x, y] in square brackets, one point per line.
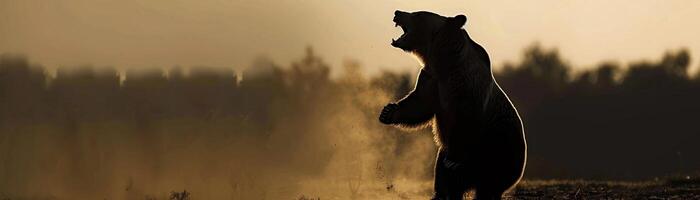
[478, 131]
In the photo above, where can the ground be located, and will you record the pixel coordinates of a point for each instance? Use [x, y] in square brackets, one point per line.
[407, 190]
[536, 189]
[606, 190]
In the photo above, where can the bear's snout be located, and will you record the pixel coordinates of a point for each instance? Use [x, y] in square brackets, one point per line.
[398, 15]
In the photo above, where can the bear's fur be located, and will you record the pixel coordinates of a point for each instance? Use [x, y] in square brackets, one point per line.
[479, 133]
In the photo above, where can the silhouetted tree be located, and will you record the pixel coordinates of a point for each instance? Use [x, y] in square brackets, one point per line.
[612, 121]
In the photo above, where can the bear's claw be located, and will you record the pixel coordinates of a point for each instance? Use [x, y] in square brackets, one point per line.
[451, 164]
[386, 115]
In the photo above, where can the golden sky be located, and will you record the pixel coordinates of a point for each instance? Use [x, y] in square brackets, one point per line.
[230, 33]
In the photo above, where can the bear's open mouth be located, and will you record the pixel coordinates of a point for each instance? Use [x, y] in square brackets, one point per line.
[398, 41]
[396, 24]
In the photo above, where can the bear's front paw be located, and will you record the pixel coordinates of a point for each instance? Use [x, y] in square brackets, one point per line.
[386, 116]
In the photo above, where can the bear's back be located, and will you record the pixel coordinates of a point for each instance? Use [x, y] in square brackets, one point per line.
[467, 86]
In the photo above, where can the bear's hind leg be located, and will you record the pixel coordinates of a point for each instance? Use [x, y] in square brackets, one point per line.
[449, 183]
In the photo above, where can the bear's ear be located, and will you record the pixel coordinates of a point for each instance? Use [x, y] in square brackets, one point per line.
[457, 21]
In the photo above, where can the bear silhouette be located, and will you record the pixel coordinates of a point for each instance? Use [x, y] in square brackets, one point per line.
[478, 130]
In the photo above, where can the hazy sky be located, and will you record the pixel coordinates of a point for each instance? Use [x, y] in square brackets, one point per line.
[230, 33]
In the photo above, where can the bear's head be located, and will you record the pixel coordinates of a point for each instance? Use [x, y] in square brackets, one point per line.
[420, 28]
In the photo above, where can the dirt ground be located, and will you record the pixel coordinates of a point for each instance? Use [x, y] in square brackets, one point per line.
[606, 190]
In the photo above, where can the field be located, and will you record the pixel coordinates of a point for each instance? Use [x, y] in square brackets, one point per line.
[564, 189]
[527, 189]
[607, 190]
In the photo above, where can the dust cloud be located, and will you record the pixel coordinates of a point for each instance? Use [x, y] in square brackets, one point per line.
[273, 132]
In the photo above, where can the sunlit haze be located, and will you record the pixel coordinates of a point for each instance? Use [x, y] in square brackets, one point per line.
[144, 99]
[165, 33]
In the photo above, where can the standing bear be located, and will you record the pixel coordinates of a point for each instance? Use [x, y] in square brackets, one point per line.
[478, 130]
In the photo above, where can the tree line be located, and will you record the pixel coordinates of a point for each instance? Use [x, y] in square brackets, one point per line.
[613, 121]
